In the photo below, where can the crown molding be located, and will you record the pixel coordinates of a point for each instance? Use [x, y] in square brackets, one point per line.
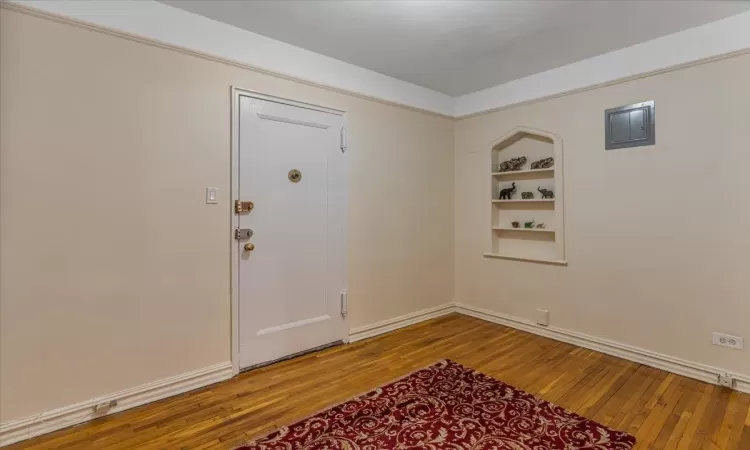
[715, 40]
[182, 30]
[161, 24]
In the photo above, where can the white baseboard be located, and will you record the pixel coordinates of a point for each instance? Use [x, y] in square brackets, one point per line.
[28, 427]
[677, 366]
[368, 331]
[49, 421]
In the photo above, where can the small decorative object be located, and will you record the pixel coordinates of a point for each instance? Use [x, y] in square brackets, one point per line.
[546, 193]
[507, 193]
[529, 224]
[527, 195]
[544, 163]
[541, 225]
[512, 164]
[515, 224]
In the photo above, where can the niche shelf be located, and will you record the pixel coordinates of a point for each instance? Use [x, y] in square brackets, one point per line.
[541, 245]
[508, 175]
[528, 200]
[524, 230]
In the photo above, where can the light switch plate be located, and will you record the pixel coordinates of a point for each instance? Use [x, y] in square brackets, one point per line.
[212, 195]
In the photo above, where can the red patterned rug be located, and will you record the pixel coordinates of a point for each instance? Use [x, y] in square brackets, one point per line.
[445, 406]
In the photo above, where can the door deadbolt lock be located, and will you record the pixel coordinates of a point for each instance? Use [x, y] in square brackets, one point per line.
[243, 233]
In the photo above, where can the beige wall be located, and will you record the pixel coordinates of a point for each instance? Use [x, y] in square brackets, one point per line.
[657, 237]
[115, 272]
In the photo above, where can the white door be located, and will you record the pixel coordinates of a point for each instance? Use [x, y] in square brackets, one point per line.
[292, 278]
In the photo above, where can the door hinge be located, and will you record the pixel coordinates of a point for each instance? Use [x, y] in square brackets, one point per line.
[344, 301]
[343, 139]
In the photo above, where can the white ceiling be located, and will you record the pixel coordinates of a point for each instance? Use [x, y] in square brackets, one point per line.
[458, 47]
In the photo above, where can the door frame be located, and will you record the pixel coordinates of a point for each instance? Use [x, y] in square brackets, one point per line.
[236, 93]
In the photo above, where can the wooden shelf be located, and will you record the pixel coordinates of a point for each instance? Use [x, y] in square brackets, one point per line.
[557, 262]
[539, 230]
[530, 200]
[549, 170]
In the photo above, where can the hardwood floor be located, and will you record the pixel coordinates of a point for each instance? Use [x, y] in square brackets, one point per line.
[663, 411]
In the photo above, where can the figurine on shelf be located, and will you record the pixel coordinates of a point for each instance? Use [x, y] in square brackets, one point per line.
[546, 193]
[527, 195]
[541, 225]
[529, 224]
[544, 163]
[512, 164]
[515, 224]
[507, 193]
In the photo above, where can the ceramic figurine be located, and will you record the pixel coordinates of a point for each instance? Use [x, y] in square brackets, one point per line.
[507, 193]
[515, 224]
[512, 164]
[541, 225]
[527, 195]
[546, 193]
[544, 163]
[529, 224]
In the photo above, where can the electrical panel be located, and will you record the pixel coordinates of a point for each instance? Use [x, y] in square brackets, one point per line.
[630, 126]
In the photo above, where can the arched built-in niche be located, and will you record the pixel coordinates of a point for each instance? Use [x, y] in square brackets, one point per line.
[527, 244]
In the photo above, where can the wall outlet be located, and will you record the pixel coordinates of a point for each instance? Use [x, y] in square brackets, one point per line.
[726, 380]
[727, 340]
[542, 317]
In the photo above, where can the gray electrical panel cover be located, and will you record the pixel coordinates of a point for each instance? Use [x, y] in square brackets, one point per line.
[630, 126]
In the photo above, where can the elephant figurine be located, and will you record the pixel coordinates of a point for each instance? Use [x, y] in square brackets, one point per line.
[507, 193]
[546, 193]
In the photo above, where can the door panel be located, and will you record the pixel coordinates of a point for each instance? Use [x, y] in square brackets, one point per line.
[290, 283]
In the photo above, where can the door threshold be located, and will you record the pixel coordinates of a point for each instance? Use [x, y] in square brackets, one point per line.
[293, 355]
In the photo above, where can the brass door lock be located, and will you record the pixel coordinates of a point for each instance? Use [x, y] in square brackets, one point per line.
[249, 247]
[240, 206]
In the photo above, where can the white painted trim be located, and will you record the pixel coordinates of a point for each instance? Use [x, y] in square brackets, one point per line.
[289, 101]
[556, 262]
[678, 366]
[375, 329]
[178, 28]
[234, 221]
[687, 47]
[649, 358]
[742, 383]
[48, 421]
[236, 93]
[28, 427]
[292, 121]
[172, 27]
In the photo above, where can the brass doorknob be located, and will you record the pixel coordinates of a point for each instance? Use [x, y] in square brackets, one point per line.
[249, 247]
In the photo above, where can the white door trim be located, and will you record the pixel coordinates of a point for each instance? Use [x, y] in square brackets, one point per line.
[236, 93]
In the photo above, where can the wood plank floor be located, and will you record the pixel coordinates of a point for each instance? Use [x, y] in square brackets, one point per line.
[663, 411]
